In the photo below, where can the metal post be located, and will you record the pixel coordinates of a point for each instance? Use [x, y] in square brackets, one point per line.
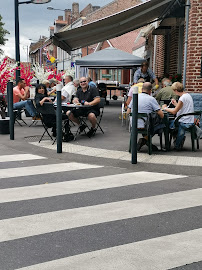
[63, 60]
[59, 119]
[17, 40]
[134, 126]
[10, 109]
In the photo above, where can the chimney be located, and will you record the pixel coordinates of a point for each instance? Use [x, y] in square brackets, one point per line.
[60, 18]
[68, 16]
[75, 11]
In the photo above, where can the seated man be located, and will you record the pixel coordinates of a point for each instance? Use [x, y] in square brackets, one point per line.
[68, 91]
[166, 91]
[76, 84]
[87, 96]
[90, 82]
[20, 95]
[146, 104]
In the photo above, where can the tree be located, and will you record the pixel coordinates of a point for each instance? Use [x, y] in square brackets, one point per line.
[3, 32]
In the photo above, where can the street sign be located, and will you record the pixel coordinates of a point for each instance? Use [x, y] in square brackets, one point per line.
[108, 76]
[40, 1]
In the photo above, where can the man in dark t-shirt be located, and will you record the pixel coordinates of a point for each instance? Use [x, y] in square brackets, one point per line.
[86, 96]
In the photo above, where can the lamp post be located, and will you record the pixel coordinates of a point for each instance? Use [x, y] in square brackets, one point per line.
[17, 39]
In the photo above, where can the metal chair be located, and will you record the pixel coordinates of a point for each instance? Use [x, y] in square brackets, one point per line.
[47, 111]
[191, 129]
[18, 116]
[148, 130]
[99, 118]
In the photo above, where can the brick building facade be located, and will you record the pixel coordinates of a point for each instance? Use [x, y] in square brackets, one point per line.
[194, 56]
[170, 49]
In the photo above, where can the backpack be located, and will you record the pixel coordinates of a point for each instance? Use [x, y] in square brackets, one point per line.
[67, 134]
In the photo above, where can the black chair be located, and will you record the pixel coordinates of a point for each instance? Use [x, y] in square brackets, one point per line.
[99, 118]
[48, 118]
[18, 116]
[191, 129]
[102, 87]
[83, 120]
[148, 130]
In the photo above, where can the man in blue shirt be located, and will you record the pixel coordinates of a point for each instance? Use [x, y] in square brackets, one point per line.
[146, 73]
[146, 104]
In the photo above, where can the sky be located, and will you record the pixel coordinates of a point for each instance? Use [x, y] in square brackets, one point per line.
[34, 21]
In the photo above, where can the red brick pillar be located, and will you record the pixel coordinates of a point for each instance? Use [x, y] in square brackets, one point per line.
[194, 54]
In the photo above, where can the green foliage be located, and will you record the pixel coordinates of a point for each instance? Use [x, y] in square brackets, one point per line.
[3, 32]
[175, 78]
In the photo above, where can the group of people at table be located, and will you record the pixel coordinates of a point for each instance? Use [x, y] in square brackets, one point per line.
[148, 102]
[85, 92]
[82, 91]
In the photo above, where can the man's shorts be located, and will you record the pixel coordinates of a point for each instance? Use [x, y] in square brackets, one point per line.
[85, 112]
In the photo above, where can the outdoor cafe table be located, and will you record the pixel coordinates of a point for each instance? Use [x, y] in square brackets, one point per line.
[66, 106]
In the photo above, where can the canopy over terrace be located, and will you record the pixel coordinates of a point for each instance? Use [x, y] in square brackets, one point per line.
[113, 26]
[110, 58]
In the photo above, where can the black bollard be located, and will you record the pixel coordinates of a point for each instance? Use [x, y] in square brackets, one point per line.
[59, 119]
[134, 134]
[10, 109]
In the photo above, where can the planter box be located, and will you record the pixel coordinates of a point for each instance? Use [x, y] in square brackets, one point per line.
[4, 126]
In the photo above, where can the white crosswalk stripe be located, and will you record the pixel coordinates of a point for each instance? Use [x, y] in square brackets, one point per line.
[159, 253]
[144, 247]
[44, 169]
[70, 187]
[84, 216]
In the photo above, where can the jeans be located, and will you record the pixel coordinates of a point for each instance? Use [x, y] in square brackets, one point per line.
[27, 104]
[181, 132]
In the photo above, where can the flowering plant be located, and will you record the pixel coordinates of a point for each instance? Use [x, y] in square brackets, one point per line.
[40, 72]
[7, 71]
[26, 73]
[69, 71]
[176, 78]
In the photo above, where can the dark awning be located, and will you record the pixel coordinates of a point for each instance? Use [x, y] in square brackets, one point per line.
[112, 26]
[109, 58]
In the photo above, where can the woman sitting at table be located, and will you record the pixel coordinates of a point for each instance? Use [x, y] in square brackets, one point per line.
[41, 96]
[50, 119]
[183, 106]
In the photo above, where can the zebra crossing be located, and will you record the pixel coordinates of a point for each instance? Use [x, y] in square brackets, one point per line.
[57, 216]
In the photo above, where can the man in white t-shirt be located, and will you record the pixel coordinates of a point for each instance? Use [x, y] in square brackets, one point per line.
[68, 90]
[183, 106]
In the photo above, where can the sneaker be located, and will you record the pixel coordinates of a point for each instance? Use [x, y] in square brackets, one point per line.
[82, 128]
[141, 142]
[91, 132]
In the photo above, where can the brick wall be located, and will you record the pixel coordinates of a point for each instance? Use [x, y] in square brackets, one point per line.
[174, 37]
[193, 80]
[160, 56]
